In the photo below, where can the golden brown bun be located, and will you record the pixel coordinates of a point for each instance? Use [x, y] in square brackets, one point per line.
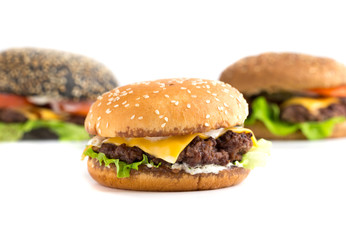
[166, 107]
[261, 131]
[272, 72]
[158, 179]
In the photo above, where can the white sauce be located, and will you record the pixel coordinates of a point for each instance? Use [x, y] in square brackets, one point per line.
[209, 168]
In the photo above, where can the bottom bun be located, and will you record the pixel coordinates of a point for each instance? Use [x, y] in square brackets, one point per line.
[165, 180]
[261, 131]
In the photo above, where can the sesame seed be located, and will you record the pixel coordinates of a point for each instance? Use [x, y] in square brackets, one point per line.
[188, 105]
[98, 125]
[108, 111]
[89, 124]
[136, 105]
[99, 104]
[124, 102]
[161, 116]
[167, 96]
[127, 89]
[107, 125]
[226, 105]
[99, 98]
[225, 90]
[109, 103]
[157, 112]
[194, 96]
[198, 86]
[127, 105]
[155, 91]
[188, 91]
[176, 103]
[207, 86]
[146, 96]
[214, 94]
[99, 118]
[206, 124]
[226, 112]
[130, 91]
[138, 98]
[140, 118]
[133, 116]
[208, 91]
[183, 88]
[220, 108]
[217, 99]
[173, 101]
[207, 101]
[166, 119]
[116, 105]
[163, 125]
[208, 116]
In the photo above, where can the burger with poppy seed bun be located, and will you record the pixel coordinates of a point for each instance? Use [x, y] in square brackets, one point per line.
[171, 135]
[292, 96]
[46, 94]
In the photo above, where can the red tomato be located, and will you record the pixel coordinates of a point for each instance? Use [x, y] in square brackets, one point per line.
[11, 100]
[331, 92]
[78, 108]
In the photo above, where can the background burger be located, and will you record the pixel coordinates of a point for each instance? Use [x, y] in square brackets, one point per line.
[171, 135]
[47, 94]
[292, 96]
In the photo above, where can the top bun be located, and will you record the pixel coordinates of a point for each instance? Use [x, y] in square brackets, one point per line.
[53, 74]
[273, 72]
[166, 107]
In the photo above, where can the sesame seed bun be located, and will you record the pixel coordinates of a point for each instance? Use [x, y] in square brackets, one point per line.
[166, 107]
[261, 131]
[54, 74]
[273, 72]
[152, 179]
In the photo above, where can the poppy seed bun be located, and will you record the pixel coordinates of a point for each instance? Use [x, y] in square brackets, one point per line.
[273, 72]
[53, 74]
[157, 179]
[261, 131]
[166, 107]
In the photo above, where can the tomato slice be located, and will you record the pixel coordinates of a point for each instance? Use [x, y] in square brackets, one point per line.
[11, 100]
[78, 108]
[331, 92]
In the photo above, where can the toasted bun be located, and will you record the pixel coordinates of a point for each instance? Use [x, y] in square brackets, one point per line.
[54, 74]
[158, 179]
[261, 131]
[166, 107]
[272, 72]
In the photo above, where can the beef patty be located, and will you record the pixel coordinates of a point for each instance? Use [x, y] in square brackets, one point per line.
[229, 147]
[11, 116]
[298, 113]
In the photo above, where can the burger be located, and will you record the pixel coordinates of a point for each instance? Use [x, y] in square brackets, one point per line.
[46, 94]
[171, 135]
[292, 96]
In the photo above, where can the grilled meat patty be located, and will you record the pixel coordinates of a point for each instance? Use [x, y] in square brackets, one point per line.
[229, 147]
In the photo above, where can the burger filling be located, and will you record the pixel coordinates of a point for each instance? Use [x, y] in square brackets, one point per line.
[203, 154]
[314, 112]
[41, 118]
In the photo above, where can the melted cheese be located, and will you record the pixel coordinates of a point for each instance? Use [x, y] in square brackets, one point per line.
[312, 104]
[169, 148]
[34, 113]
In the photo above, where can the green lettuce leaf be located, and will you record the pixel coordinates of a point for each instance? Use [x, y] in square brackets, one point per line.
[269, 115]
[65, 131]
[11, 131]
[123, 169]
[257, 156]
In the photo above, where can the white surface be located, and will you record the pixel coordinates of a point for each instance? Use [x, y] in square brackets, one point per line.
[46, 193]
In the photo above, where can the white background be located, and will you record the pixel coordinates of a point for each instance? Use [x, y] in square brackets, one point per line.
[45, 191]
